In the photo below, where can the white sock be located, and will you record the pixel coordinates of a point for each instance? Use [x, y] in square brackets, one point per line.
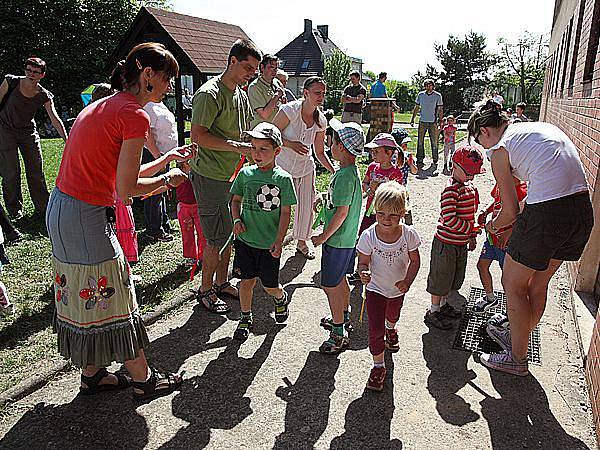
[379, 364]
[490, 296]
[390, 326]
[434, 308]
[443, 301]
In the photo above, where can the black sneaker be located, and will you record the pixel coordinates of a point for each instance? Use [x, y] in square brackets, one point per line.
[281, 308]
[437, 320]
[449, 312]
[242, 331]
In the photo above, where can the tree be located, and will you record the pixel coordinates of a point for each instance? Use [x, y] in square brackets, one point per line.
[336, 71]
[465, 71]
[74, 37]
[404, 92]
[524, 64]
[160, 4]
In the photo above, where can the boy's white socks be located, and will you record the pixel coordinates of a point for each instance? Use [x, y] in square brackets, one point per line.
[434, 308]
[489, 296]
[443, 301]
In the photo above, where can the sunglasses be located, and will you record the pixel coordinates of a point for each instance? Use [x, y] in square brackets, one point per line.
[37, 72]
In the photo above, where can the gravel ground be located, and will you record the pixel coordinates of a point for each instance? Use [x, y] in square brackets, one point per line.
[276, 391]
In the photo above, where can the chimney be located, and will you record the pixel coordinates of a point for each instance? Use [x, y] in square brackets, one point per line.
[324, 30]
[307, 29]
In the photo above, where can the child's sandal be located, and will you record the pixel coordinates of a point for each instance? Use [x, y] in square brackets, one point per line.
[157, 385]
[226, 289]
[94, 386]
[210, 301]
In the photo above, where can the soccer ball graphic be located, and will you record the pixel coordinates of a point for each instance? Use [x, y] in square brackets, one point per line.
[267, 197]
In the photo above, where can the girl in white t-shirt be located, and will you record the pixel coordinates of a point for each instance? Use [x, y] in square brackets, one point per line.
[388, 262]
[302, 127]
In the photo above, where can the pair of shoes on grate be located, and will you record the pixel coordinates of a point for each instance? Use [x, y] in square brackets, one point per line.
[498, 329]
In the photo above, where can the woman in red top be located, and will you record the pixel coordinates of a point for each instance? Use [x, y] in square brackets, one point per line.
[97, 318]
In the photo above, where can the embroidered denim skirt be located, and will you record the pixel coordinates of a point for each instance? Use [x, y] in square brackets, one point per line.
[96, 318]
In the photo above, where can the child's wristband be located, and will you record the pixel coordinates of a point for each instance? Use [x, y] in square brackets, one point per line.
[238, 220]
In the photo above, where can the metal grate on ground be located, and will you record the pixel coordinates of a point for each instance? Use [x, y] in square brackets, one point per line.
[472, 337]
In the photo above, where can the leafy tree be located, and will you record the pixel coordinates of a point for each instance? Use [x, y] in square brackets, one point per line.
[74, 37]
[160, 4]
[465, 71]
[336, 71]
[523, 64]
[403, 91]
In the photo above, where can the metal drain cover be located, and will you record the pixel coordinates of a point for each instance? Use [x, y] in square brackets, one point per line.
[472, 337]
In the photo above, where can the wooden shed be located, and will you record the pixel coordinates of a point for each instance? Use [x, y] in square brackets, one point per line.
[200, 46]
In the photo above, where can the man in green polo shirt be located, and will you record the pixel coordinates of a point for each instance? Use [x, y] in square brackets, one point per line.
[265, 92]
[220, 112]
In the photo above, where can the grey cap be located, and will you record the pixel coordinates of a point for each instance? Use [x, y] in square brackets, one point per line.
[264, 130]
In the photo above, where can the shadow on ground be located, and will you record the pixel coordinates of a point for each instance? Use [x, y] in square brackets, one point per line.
[521, 417]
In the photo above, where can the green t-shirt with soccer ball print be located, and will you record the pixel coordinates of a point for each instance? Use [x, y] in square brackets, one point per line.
[344, 190]
[263, 192]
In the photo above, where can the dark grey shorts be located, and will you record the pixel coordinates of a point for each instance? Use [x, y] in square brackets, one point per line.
[213, 199]
[556, 229]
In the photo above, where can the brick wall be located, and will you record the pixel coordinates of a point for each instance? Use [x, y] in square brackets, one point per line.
[571, 100]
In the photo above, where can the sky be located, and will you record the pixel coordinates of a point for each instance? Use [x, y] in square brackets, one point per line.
[395, 36]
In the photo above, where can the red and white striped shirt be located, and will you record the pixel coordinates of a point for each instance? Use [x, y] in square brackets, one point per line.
[457, 218]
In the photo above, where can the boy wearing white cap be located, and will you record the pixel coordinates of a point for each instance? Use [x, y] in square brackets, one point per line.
[342, 215]
[262, 196]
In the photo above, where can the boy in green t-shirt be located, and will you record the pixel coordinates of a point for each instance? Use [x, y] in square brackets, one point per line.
[342, 215]
[262, 195]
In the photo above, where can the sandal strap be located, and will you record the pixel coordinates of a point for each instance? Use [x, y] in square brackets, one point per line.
[206, 294]
[219, 287]
[93, 381]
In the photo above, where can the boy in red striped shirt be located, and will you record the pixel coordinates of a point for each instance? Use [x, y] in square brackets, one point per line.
[455, 235]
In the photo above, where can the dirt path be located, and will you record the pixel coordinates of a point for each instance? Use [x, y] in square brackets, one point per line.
[276, 390]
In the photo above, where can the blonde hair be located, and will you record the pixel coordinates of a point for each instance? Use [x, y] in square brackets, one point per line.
[391, 196]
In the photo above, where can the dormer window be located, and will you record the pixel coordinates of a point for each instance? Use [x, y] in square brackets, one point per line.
[305, 64]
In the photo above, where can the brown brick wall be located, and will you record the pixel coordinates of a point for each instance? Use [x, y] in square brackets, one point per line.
[575, 108]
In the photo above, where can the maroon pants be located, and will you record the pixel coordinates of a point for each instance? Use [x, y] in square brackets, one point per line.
[380, 308]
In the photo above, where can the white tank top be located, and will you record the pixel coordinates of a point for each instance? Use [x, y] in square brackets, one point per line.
[542, 154]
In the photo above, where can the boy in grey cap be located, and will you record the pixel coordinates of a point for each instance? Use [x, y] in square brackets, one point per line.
[262, 195]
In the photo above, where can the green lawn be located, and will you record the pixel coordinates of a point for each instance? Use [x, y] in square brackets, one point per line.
[26, 340]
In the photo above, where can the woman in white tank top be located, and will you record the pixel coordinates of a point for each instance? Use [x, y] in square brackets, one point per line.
[303, 126]
[554, 226]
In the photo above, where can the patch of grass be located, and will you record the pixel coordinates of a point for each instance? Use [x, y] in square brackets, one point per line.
[26, 339]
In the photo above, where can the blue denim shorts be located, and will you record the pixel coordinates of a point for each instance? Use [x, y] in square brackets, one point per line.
[335, 263]
[492, 252]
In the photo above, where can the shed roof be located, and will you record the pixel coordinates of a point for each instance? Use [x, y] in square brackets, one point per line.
[205, 42]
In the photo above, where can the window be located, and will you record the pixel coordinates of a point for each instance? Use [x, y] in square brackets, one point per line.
[576, 47]
[282, 64]
[592, 50]
[566, 56]
[305, 64]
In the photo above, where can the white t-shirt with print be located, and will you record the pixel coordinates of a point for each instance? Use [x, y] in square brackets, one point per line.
[389, 262]
[295, 164]
[543, 155]
[162, 126]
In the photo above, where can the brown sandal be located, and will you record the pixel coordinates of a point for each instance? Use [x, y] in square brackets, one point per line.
[157, 385]
[220, 290]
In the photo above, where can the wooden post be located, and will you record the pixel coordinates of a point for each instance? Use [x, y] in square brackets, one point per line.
[179, 112]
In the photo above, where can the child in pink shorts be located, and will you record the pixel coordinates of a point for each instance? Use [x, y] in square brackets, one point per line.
[189, 221]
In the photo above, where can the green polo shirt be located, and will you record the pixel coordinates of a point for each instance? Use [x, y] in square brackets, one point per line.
[260, 93]
[226, 114]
